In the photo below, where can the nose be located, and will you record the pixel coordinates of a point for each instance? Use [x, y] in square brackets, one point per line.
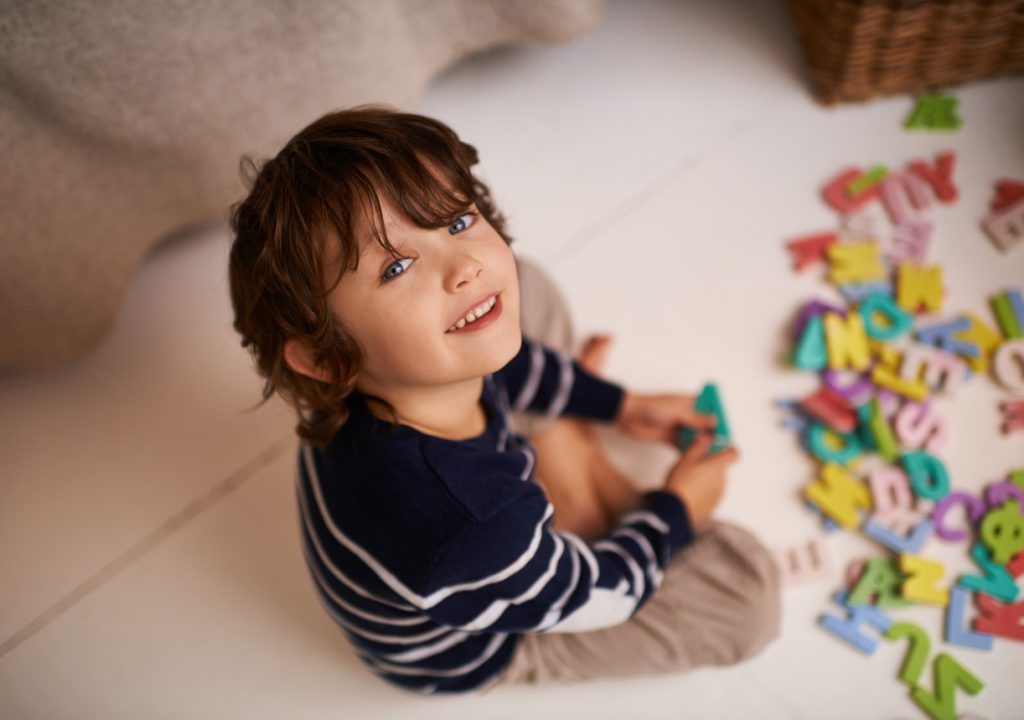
[462, 269]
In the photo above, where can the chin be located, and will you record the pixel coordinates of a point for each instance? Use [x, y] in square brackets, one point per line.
[504, 349]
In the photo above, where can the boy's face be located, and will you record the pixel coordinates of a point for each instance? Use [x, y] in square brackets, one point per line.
[401, 311]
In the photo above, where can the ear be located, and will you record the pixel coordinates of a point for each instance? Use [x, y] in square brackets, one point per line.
[298, 358]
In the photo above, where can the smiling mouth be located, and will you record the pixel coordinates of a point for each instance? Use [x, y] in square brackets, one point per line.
[479, 317]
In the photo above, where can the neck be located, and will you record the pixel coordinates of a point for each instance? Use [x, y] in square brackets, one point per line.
[449, 411]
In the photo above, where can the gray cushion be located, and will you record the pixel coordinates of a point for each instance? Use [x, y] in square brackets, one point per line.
[120, 122]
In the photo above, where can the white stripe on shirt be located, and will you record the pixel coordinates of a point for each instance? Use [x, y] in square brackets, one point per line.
[529, 389]
[492, 647]
[335, 571]
[528, 468]
[555, 614]
[648, 517]
[380, 619]
[394, 583]
[651, 519]
[584, 549]
[639, 580]
[361, 632]
[497, 608]
[454, 638]
[566, 378]
[652, 564]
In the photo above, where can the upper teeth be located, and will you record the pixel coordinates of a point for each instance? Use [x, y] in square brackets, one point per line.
[477, 312]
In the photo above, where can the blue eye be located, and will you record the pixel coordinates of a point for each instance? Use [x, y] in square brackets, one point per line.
[388, 275]
[460, 223]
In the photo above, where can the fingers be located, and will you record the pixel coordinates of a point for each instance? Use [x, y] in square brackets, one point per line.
[699, 448]
[708, 421]
[698, 451]
[698, 420]
[727, 456]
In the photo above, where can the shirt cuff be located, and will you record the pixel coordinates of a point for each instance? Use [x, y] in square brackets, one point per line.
[593, 397]
[671, 508]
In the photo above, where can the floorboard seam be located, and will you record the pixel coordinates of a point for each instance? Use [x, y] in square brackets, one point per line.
[649, 189]
[158, 535]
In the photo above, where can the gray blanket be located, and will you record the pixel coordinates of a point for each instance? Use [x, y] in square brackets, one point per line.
[123, 121]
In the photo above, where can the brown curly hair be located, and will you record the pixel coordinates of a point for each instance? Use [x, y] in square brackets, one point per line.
[314, 191]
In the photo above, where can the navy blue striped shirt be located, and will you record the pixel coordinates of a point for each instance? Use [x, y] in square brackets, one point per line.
[434, 556]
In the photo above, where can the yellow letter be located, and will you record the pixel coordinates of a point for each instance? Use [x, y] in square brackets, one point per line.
[920, 586]
[847, 341]
[838, 494]
[918, 285]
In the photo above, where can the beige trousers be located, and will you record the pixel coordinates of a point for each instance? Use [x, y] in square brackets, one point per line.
[719, 602]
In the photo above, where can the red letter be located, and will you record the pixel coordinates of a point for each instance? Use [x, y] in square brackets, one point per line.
[940, 177]
[835, 192]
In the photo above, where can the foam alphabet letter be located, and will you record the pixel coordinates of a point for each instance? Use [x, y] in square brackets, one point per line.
[1006, 227]
[832, 408]
[896, 188]
[886, 377]
[998, 493]
[854, 262]
[836, 196]
[804, 563]
[881, 580]
[939, 177]
[832, 447]
[1000, 619]
[948, 675]
[810, 250]
[882, 433]
[811, 353]
[911, 240]
[856, 392]
[896, 320]
[890, 491]
[1008, 365]
[1009, 311]
[708, 402]
[924, 575]
[1002, 531]
[919, 425]
[847, 342]
[985, 338]
[893, 539]
[997, 581]
[1013, 415]
[956, 631]
[838, 494]
[973, 506]
[942, 370]
[849, 630]
[919, 288]
[1007, 193]
[943, 336]
[928, 475]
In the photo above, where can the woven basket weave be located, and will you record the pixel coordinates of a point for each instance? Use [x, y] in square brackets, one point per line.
[859, 49]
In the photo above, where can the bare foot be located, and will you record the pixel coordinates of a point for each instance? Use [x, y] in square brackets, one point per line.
[595, 353]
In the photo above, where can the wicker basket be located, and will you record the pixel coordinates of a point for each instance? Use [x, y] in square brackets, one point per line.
[859, 49]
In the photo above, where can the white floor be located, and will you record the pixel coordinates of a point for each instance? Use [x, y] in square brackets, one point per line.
[149, 543]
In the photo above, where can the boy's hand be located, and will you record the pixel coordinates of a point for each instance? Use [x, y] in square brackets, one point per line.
[658, 417]
[698, 479]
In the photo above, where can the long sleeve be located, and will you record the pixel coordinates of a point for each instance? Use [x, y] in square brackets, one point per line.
[512, 573]
[540, 379]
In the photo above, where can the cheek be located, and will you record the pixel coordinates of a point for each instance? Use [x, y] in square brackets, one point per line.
[500, 256]
[404, 328]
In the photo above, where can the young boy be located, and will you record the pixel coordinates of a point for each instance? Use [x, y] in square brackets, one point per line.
[372, 278]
